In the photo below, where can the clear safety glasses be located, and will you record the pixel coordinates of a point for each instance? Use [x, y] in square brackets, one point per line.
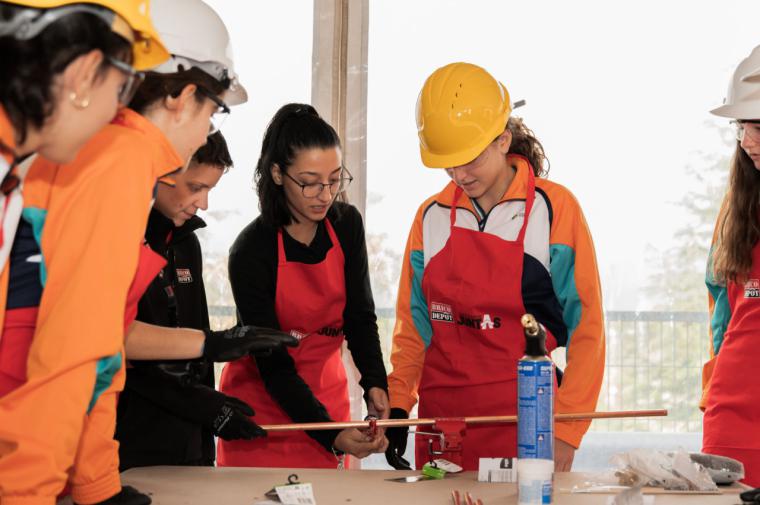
[220, 115]
[133, 81]
[750, 129]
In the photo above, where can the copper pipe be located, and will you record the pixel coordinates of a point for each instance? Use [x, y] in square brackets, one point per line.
[392, 423]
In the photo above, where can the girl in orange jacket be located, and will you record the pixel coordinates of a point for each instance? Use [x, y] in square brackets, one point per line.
[63, 62]
[74, 368]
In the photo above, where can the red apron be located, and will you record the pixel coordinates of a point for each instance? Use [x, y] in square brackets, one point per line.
[309, 304]
[473, 288]
[18, 330]
[149, 264]
[731, 425]
[19, 324]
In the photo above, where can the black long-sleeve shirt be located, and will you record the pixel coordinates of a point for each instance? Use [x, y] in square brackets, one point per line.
[253, 277]
[160, 422]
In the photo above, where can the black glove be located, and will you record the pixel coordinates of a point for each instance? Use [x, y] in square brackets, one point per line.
[394, 455]
[183, 372]
[231, 421]
[751, 496]
[236, 342]
[127, 496]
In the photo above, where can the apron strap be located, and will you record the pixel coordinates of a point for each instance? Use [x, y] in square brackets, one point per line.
[280, 249]
[331, 233]
[453, 211]
[529, 199]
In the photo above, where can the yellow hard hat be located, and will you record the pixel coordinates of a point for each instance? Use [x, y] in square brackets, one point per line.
[128, 18]
[461, 109]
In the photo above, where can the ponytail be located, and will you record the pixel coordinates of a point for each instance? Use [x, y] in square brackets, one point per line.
[525, 143]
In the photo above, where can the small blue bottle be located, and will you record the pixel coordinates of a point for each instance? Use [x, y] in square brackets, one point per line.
[535, 395]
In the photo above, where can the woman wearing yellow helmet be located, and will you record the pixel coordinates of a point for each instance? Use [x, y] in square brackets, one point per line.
[66, 67]
[498, 241]
[63, 63]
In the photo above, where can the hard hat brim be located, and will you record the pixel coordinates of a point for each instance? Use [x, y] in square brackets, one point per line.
[752, 76]
[741, 111]
[449, 160]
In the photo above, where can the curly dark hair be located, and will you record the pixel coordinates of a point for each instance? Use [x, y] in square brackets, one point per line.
[525, 143]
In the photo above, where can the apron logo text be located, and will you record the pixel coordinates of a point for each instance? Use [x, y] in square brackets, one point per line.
[441, 312]
[330, 331]
[486, 322]
[299, 336]
[752, 289]
[184, 276]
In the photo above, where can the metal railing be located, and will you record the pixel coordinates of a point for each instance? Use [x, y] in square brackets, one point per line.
[654, 360]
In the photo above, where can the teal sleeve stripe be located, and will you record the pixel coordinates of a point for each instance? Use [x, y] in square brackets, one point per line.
[721, 315]
[106, 370]
[562, 269]
[36, 219]
[419, 308]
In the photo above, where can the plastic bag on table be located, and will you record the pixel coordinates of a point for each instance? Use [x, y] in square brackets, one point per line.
[669, 470]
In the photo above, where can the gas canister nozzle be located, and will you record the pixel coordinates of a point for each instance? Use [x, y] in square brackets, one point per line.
[530, 325]
[535, 336]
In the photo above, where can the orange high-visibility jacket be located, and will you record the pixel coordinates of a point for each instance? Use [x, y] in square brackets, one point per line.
[94, 212]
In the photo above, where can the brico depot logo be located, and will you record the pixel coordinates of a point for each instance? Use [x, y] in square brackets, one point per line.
[184, 276]
[752, 289]
[299, 336]
[484, 322]
[441, 312]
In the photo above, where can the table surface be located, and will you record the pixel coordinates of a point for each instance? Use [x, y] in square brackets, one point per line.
[246, 486]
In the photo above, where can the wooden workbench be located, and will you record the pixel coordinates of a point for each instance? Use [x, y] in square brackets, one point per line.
[246, 486]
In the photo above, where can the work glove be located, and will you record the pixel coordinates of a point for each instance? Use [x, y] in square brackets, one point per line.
[397, 442]
[751, 496]
[232, 422]
[127, 496]
[238, 341]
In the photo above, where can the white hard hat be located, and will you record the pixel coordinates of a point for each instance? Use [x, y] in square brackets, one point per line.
[197, 37]
[743, 97]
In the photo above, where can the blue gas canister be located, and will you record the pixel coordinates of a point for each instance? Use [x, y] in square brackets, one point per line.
[535, 395]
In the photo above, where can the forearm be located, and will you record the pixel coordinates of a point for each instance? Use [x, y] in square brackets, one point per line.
[149, 342]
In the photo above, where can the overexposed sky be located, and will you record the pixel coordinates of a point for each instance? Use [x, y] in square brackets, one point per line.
[619, 93]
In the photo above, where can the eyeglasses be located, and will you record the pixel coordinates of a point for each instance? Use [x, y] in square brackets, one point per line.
[134, 79]
[222, 112]
[476, 163]
[314, 189]
[751, 129]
